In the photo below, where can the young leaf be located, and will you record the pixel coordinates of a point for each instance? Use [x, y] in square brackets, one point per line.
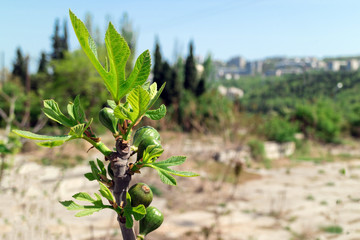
[118, 52]
[70, 109]
[151, 153]
[138, 212]
[52, 111]
[78, 110]
[105, 192]
[111, 104]
[83, 196]
[90, 176]
[156, 96]
[171, 161]
[141, 71]
[86, 210]
[94, 169]
[138, 99]
[153, 90]
[101, 166]
[88, 45]
[165, 172]
[50, 144]
[35, 136]
[156, 114]
[166, 178]
[77, 131]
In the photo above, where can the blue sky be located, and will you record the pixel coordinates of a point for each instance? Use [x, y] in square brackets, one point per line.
[253, 29]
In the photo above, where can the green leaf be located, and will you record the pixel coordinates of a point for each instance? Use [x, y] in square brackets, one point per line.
[157, 95]
[141, 71]
[35, 136]
[146, 85]
[111, 104]
[122, 113]
[70, 109]
[165, 172]
[71, 205]
[83, 196]
[77, 131]
[101, 166]
[53, 141]
[94, 169]
[105, 192]
[50, 144]
[138, 212]
[52, 111]
[90, 176]
[88, 45]
[153, 90]
[151, 153]
[172, 161]
[166, 178]
[118, 52]
[156, 114]
[78, 110]
[88, 211]
[138, 99]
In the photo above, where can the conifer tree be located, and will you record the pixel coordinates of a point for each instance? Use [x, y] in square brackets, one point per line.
[158, 64]
[20, 66]
[42, 63]
[57, 43]
[65, 45]
[190, 81]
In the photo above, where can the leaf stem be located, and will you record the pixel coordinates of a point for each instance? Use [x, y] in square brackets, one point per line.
[99, 146]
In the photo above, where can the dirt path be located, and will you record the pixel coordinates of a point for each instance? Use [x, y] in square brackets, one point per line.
[304, 202]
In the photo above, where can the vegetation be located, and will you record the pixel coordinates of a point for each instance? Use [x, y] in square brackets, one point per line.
[131, 100]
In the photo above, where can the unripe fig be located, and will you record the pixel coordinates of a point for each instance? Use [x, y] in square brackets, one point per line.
[152, 220]
[145, 132]
[140, 194]
[108, 119]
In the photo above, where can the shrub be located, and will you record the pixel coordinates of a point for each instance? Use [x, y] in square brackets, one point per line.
[280, 130]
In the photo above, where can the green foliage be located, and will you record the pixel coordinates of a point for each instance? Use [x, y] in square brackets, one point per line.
[85, 210]
[190, 81]
[279, 130]
[257, 149]
[120, 118]
[166, 173]
[211, 112]
[335, 229]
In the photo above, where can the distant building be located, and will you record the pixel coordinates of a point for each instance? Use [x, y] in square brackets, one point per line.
[238, 62]
[352, 65]
[334, 65]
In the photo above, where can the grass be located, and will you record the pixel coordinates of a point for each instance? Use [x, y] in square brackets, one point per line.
[334, 229]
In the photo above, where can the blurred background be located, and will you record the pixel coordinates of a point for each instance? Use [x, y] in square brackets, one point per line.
[263, 98]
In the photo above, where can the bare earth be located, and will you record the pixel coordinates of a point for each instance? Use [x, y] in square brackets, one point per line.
[301, 201]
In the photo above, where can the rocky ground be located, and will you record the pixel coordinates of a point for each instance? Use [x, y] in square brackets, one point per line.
[305, 200]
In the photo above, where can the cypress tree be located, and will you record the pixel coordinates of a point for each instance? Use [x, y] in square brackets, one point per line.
[57, 43]
[42, 63]
[190, 81]
[158, 65]
[65, 45]
[20, 66]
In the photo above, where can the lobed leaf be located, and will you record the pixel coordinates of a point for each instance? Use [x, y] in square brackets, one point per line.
[52, 111]
[156, 114]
